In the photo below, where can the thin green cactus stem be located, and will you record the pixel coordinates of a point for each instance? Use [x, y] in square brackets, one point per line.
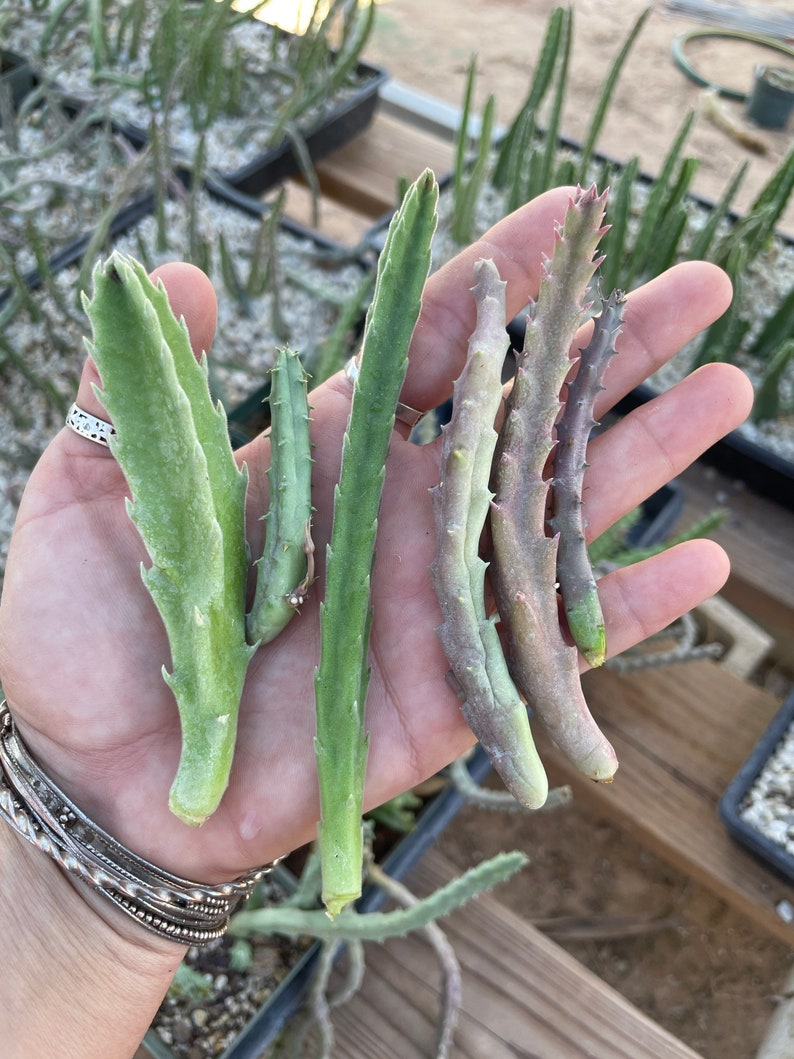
[286, 568]
[543, 665]
[342, 677]
[379, 926]
[491, 704]
[188, 498]
[574, 571]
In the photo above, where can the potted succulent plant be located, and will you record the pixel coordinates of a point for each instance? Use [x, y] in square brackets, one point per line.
[491, 177]
[756, 807]
[205, 76]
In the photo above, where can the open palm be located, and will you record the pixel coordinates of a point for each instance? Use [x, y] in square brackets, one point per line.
[82, 646]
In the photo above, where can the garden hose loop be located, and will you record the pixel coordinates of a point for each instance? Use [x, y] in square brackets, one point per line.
[681, 41]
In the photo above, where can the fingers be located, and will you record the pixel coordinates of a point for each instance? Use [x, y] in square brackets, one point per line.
[516, 245]
[660, 318]
[658, 440]
[640, 600]
[191, 295]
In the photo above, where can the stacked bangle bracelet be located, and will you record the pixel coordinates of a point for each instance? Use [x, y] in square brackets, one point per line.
[187, 912]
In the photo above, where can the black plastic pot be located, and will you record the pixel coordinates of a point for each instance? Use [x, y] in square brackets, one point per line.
[341, 124]
[733, 800]
[345, 117]
[17, 77]
[660, 512]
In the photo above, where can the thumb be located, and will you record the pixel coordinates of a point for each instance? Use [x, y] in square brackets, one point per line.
[74, 469]
[191, 296]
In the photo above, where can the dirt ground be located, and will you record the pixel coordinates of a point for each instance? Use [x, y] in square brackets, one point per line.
[429, 45]
[674, 950]
[699, 969]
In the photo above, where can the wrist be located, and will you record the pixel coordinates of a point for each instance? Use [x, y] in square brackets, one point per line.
[165, 904]
[62, 907]
[72, 962]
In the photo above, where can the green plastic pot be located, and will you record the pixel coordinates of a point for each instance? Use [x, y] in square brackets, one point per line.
[772, 99]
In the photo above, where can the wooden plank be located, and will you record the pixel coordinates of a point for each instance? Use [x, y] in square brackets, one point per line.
[522, 995]
[759, 537]
[423, 111]
[681, 733]
[363, 174]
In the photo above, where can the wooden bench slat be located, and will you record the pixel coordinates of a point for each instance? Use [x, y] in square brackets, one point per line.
[681, 733]
[522, 994]
[758, 535]
[363, 174]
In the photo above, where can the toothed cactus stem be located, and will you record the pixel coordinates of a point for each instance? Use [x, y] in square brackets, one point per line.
[543, 665]
[188, 498]
[283, 574]
[574, 571]
[491, 703]
[342, 677]
[379, 926]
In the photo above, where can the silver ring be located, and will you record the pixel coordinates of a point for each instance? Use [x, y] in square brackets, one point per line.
[88, 426]
[403, 412]
[406, 414]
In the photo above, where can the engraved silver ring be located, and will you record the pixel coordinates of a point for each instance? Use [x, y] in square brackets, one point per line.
[403, 412]
[88, 426]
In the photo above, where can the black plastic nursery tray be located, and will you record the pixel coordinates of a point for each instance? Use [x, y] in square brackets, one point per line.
[327, 256]
[734, 800]
[659, 513]
[347, 114]
[341, 124]
[17, 78]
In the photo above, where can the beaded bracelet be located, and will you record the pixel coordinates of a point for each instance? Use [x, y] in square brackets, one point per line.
[187, 912]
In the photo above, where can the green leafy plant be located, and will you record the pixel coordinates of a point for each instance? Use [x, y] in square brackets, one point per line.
[532, 156]
[469, 174]
[378, 926]
[299, 917]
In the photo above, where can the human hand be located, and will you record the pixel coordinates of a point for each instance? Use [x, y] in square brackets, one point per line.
[81, 644]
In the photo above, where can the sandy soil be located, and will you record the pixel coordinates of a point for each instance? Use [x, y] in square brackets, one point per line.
[429, 46]
[679, 954]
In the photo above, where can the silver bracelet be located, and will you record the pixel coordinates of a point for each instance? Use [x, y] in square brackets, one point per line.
[188, 912]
